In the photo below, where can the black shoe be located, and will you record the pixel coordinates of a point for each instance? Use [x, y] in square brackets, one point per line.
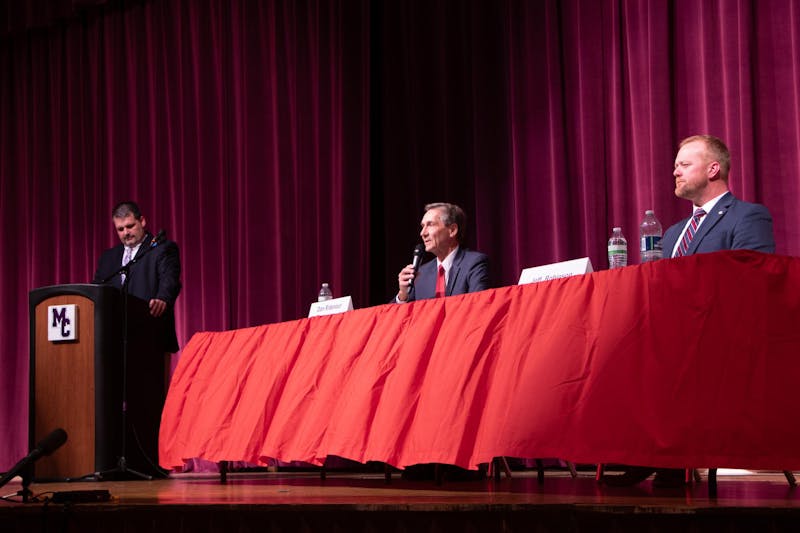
[669, 478]
[633, 475]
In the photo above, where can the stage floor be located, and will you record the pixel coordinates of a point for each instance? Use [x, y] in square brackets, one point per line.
[302, 501]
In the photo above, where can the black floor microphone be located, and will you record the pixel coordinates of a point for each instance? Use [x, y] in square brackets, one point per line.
[53, 441]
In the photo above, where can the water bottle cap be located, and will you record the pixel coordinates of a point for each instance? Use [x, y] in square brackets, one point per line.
[649, 212]
[324, 284]
[617, 229]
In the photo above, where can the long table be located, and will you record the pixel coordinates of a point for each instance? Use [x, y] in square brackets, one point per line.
[686, 362]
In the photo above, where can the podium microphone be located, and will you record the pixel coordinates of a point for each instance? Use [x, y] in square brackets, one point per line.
[53, 441]
[159, 238]
[419, 251]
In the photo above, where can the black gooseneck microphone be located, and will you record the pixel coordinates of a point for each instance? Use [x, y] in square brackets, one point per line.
[159, 238]
[419, 251]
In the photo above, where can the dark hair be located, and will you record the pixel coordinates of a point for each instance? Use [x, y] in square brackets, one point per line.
[123, 209]
[451, 214]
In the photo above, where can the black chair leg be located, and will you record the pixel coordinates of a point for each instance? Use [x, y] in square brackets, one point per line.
[223, 472]
[712, 482]
[572, 472]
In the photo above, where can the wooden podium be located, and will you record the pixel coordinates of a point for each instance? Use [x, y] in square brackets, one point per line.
[76, 384]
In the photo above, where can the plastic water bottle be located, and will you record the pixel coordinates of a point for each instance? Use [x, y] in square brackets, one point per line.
[617, 250]
[325, 293]
[650, 247]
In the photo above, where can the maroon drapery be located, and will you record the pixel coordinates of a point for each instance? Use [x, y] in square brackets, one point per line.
[239, 127]
[282, 144]
[552, 122]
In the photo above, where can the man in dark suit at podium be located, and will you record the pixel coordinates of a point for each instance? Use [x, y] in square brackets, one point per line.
[155, 278]
[456, 270]
[152, 284]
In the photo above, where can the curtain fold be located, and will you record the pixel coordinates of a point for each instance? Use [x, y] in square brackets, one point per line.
[239, 127]
[282, 144]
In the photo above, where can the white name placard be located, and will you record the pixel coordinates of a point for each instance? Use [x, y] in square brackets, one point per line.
[62, 322]
[331, 307]
[564, 269]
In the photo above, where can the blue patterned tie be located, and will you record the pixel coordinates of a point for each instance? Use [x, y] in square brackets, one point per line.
[690, 231]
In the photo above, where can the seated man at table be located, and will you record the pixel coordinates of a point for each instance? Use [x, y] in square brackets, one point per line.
[719, 221]
[456, 270]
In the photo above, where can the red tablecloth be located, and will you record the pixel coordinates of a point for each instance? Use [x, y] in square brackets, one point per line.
[689, 362]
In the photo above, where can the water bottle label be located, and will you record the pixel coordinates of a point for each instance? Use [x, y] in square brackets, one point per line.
[617, 249]
[651, 243]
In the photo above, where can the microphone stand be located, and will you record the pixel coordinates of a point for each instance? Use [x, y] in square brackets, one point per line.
[25, 491]
[122, 463]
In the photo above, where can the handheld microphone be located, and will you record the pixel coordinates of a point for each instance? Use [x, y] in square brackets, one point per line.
[419, 251]
[53, 441]
[159, 238]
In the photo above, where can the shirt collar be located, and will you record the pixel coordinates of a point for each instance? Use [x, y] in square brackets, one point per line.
[709, 205]
[448, 261]
[135, 249]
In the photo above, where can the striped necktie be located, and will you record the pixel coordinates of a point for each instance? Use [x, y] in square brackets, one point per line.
[126, 258]
[689, 234]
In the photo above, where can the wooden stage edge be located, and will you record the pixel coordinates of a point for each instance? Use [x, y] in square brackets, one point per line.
[303, 501]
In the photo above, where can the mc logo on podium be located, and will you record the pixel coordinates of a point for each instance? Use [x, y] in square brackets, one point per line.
[62, 324]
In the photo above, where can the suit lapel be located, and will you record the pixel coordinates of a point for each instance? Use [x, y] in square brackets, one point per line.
[455, 268]
[116, 257]
[711, 220]
[425, 282]
[145, 245]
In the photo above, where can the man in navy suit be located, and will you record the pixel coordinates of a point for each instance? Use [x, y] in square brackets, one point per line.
[725, 222]
[153, 284]
[456, 270]
[719, 221]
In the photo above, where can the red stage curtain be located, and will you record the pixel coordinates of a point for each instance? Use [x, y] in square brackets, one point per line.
[240, 127]
[283, 144]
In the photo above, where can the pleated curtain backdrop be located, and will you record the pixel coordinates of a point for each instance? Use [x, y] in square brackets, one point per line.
[282, 144]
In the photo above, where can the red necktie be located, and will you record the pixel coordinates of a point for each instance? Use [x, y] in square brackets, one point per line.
[439, 283]
[690, 231]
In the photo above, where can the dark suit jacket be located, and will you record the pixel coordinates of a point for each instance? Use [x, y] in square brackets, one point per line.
[156, 275]
[469, 273]
[732, 225]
